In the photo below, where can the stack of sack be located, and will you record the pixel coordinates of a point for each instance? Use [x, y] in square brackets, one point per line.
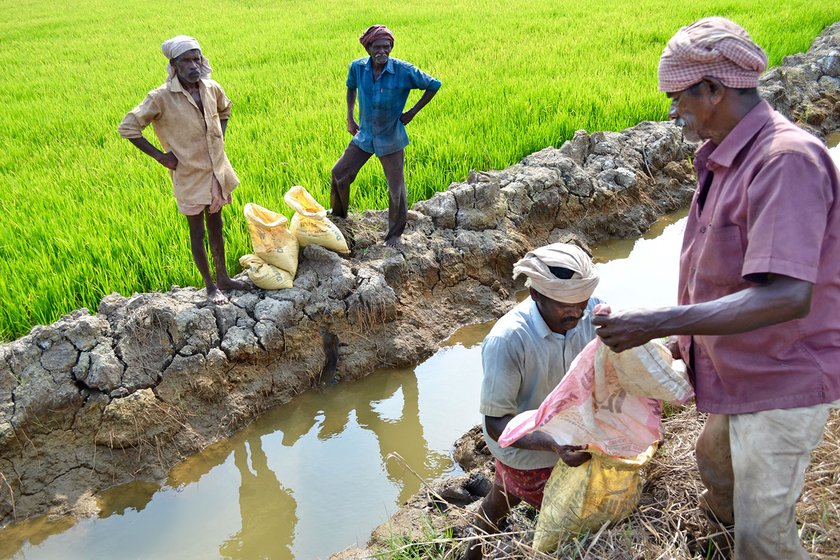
[612, 404]
[276, 244]
[274, 263]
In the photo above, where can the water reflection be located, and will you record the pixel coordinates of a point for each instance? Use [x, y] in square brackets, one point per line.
[133, 496]
[266, 508]
[31, 533]
[399, 433]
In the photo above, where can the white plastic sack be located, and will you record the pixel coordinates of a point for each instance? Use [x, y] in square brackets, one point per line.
[607, 401]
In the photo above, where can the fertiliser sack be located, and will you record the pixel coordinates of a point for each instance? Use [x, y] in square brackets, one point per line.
[612, 404]
[310, 223]
[669, 384]
[607, 401]
[580, 499]
[271, 238]
[264, 275]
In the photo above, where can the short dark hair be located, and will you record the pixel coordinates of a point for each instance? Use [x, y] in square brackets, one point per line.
[692, 89]
[561, 272]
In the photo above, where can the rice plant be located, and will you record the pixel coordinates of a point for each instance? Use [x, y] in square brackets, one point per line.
[84, 213]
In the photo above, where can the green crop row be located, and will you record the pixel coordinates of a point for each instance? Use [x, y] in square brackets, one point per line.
[84, 213]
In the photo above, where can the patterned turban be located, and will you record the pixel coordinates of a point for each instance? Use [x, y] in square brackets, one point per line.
[576, 289]
[375, 32]
[715, 47]
[175, 47]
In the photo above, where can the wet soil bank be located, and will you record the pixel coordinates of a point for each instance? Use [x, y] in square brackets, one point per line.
[96, 400]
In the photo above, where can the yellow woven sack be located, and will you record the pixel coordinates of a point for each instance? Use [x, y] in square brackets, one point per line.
[271, 239]
[310, 223]
[579, 499]
[299, 200]
[264, 275]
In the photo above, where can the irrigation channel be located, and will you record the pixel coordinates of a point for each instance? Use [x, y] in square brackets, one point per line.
[319, 474]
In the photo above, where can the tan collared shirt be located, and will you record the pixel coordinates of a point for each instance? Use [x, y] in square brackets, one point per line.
[196, 139]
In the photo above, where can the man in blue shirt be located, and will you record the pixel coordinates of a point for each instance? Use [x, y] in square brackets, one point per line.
[382, 85]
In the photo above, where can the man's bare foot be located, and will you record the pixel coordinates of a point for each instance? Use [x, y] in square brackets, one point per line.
[231, 284]
[215, 296]
[393, 241]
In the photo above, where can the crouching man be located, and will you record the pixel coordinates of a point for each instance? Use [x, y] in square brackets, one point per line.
[524, 357]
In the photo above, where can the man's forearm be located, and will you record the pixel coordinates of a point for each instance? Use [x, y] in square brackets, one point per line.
[147, 147]
[423, 101]
[351, 103]
[536, 441]
[779, 300]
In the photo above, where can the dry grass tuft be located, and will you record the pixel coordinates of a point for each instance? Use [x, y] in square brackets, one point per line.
[818, 511]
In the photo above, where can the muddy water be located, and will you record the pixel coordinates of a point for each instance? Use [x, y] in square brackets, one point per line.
[316, 476]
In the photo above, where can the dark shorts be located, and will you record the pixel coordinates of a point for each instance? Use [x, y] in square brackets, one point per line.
[527, 485]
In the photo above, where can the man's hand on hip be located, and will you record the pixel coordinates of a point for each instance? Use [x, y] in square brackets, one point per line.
[406, 117]
[168, 160]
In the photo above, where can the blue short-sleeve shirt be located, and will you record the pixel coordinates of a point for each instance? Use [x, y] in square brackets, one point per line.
[381, 102]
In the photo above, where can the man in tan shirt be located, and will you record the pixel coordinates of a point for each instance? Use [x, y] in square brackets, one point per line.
[189, 113]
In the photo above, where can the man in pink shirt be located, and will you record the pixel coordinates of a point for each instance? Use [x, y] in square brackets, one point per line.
[759, 288]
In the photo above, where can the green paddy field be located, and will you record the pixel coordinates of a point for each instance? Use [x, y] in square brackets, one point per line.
[83, 213]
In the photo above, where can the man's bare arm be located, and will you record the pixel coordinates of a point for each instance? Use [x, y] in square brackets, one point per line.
[406, 117]
[352, 126]
[572, 455]
[167, 159]
[779, 299]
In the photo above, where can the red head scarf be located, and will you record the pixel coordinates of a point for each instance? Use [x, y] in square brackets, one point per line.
[375, 32]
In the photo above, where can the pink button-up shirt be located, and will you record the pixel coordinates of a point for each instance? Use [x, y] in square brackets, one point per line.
[772, 206]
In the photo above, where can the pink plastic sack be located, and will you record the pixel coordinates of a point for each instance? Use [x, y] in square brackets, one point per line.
[591, 406]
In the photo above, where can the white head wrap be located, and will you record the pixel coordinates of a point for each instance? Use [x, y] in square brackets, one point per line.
[176, 46]
[535, 265]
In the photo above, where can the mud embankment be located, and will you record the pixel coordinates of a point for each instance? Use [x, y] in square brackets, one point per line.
[96, 400]
[805, 87]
